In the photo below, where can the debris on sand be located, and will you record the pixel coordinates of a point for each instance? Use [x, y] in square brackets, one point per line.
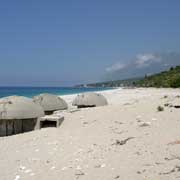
[145, 124]
[139, 118]
[175, 169]
[174, 157]
[73, 110]
[22, 167]
[118, 122]
[117, 177]
[167, 105]
[174, 143]
[177, 106]
[79, 174]
[127, 104]
[122, 142]
[160, 108]
[85, 122]
[100, 166]
[166, 96]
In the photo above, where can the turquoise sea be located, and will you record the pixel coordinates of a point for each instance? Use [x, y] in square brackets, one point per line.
[32, 91]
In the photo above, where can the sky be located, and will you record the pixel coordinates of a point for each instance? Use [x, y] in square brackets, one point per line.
[67, 42]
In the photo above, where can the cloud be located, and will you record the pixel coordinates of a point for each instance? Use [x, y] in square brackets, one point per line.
[115, 67]
[144, 60]
[140, 61]
[141, 64]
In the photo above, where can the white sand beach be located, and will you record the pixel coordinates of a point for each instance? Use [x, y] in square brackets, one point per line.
[126, 140]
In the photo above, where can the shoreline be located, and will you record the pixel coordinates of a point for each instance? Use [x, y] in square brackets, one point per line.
[34, 91]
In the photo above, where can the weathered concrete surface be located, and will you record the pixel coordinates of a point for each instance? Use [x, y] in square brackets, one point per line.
[9, 127]
[2, 128]
[17, 126]
[51, 118]
[18, 107]
[50, 103]
[28, 125]
[89, 100]
[18, 114]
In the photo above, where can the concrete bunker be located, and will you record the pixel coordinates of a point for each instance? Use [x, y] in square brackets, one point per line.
[18, 115]
[49, 121]
[50, 103]
[89, 99]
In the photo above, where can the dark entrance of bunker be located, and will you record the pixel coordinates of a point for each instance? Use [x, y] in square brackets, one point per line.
[46, 124]
[86, 106]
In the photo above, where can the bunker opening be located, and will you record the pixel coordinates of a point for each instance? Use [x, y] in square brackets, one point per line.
[48, 112]
[88, 106]
[46, 124]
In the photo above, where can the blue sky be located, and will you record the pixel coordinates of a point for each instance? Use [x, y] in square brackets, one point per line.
[65, 42]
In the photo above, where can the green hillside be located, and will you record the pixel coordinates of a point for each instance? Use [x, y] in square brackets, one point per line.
[117, 83]
[170, 78]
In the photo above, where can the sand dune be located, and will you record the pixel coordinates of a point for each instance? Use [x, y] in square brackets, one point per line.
[127, 140]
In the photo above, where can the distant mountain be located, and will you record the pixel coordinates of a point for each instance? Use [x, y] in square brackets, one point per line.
[165, 79]
[116, 83]
[143, 64]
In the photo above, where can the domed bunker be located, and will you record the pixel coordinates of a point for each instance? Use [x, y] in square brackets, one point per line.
[50, 103]
[18, 115]
[89, 100]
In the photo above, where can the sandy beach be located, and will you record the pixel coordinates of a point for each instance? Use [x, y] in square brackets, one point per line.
[127, 140]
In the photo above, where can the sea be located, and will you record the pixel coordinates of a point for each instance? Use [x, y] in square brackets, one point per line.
[33, 91]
